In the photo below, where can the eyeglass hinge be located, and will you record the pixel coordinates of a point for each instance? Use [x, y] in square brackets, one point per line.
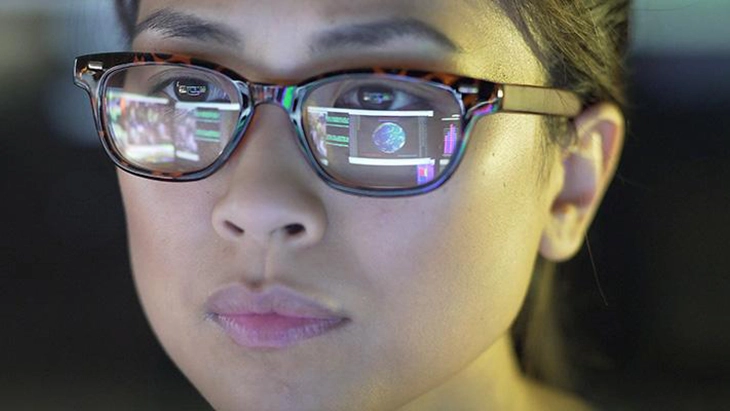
[95, 65]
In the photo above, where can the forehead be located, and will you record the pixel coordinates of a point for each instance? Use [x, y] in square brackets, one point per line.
[277, 37]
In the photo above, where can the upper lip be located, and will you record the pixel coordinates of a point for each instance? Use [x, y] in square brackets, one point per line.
[240, 300]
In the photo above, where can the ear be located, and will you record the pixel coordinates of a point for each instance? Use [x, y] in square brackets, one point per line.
[588, 168]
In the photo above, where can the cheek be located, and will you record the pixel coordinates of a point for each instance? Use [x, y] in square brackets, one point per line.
[165, 223]
[454, 265]
[162, 218]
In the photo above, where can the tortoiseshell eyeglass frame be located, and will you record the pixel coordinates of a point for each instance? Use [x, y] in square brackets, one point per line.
[476, 98]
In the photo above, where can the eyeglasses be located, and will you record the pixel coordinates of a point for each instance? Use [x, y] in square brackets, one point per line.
[373, 132]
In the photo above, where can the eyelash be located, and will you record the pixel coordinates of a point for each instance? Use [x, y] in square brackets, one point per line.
[167, 86]
[402, 99]
[351, 99]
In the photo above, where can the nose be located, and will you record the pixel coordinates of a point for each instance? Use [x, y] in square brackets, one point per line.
[271, 193]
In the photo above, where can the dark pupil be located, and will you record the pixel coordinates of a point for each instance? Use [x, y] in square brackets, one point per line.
[375, 97]
[191, 90]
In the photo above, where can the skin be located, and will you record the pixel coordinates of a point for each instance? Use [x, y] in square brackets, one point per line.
[431, 283]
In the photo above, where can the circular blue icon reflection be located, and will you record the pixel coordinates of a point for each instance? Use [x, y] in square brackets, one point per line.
[389, 137]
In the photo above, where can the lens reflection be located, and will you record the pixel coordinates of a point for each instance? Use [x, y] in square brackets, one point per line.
[387, 133]
[170, 119]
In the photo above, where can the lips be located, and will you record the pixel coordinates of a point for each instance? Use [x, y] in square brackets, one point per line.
[275, 318]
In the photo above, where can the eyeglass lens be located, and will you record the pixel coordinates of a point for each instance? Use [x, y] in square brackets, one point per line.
[364, 130]
[168, 119]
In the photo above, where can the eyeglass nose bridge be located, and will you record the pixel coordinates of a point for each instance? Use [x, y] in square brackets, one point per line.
[286, 97]
[283, 96]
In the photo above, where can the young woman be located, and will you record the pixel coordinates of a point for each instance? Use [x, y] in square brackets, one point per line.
[339, 205]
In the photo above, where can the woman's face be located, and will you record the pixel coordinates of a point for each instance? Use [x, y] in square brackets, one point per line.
[412, 290]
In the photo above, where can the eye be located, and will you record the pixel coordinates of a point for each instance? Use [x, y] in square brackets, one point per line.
[380, 97]
[190, 90]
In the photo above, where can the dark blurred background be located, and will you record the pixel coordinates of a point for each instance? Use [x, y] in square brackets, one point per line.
[74, 337]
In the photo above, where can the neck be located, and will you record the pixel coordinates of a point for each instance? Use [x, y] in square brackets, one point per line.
[493, 381]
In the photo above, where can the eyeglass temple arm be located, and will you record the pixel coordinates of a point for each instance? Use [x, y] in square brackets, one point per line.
[540, 100]
[512, 98]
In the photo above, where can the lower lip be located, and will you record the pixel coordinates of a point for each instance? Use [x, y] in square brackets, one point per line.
[273, 330]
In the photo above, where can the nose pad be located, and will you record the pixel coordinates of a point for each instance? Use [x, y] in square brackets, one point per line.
[270, 194]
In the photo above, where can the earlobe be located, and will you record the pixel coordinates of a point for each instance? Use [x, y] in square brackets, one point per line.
[588, 167]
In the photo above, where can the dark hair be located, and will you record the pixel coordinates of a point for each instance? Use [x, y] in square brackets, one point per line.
[581, 45]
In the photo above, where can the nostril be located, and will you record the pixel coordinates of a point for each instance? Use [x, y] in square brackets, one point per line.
[236, 230]
[294, 229]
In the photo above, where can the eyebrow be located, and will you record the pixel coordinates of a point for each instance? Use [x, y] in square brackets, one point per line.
[379, 33]
[176, 24]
